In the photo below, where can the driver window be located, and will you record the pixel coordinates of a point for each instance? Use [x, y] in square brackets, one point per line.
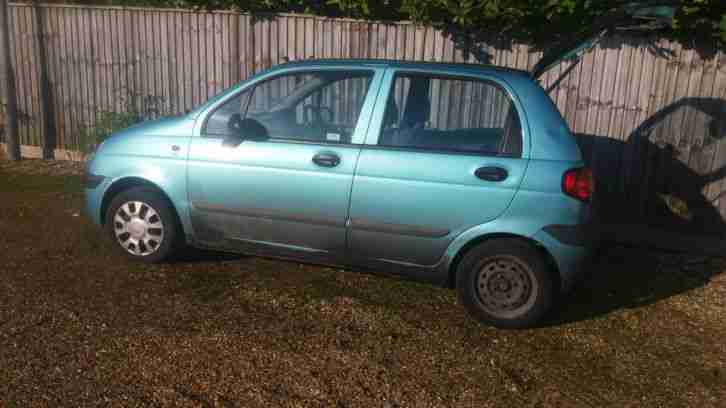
[321, 106]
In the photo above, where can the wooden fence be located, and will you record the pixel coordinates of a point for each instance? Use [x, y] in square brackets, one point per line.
[650, 114]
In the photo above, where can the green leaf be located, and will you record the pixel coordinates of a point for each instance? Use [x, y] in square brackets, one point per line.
[534, 21]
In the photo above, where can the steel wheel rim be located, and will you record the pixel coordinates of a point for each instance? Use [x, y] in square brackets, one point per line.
[138, 228]
[505, 286]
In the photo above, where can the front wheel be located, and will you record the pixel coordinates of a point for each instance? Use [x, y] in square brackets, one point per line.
[505, 283]
[142, 225]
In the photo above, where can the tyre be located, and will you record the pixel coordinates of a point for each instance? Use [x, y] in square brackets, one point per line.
[505, 283]
[142, 225]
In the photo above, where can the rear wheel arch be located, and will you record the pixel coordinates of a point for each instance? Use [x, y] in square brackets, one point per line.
[127, 183]
[546, 255]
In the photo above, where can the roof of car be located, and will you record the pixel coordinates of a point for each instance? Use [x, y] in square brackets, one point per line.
[403, 64]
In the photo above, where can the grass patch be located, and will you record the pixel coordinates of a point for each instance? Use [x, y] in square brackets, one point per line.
[12, 182]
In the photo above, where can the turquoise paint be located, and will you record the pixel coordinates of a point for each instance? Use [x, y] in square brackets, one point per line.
[379, 206]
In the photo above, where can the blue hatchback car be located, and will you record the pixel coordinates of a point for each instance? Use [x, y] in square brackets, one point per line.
[462, 175]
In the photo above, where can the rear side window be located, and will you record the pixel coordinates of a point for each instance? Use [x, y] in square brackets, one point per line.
[451, 114]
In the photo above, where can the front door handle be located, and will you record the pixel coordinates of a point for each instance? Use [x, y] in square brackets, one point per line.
[491, 173]
[326, 159]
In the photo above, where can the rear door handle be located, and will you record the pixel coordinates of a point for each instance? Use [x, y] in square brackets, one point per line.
[491, 173]
[326, 159]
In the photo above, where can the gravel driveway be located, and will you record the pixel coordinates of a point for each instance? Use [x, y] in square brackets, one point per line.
[80, 326]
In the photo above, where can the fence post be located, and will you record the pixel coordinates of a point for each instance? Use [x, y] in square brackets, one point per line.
[46, 97]
[6, 70]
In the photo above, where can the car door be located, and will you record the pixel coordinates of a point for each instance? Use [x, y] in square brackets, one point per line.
[272, 166]
[444, 153]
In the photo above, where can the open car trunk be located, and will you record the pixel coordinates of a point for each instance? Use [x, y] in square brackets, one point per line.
[636, 16]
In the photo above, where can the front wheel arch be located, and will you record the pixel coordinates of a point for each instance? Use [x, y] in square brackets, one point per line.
[546, 255]
[127, 183]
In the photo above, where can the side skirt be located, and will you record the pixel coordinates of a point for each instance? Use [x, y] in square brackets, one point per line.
[419, 273]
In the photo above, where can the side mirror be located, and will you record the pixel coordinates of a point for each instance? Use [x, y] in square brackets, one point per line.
[241, 129]
[232, 140]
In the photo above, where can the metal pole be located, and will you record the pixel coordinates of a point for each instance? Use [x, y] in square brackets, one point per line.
[6, 70]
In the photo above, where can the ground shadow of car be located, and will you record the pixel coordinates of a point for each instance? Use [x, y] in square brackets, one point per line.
[668, 175]
[196, 255]
[632, 277]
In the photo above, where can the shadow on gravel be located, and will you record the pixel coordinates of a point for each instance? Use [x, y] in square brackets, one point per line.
[618, 278]
[194, 255]
[626, 278]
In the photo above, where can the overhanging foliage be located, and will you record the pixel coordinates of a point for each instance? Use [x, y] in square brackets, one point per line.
[531, 21]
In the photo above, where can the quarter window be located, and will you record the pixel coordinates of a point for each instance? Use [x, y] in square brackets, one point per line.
[451, 114]
[220, 122]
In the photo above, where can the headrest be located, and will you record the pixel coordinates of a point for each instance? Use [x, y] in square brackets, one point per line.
[418, 105]
[391, 116]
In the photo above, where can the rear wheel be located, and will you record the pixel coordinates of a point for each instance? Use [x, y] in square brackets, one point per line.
[142, 225]
[505, 283]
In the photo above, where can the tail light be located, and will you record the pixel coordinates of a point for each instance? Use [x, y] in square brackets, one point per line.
[578, 183]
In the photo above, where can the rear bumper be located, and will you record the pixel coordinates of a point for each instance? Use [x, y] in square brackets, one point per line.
[572, 235]
[571, 246]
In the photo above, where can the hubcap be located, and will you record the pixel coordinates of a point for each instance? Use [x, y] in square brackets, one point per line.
[138, 228]
[504, 285]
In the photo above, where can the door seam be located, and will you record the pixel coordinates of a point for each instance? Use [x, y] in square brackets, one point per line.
[357, 162]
